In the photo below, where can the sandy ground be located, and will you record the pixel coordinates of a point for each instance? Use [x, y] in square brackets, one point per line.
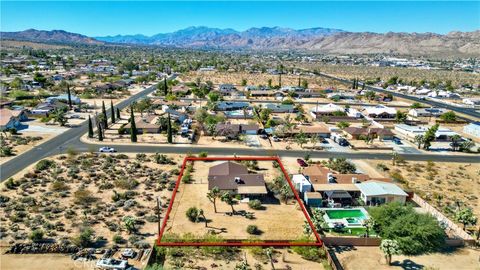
[20, 149]
[284, 258]
[143, 199]
[366, 258]
[442, 185]
[41, 261]
[278, 221]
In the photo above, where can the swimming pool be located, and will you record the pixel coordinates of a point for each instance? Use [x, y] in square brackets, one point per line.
[351, 218]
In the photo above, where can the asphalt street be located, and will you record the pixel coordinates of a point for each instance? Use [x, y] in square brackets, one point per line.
[71, 139]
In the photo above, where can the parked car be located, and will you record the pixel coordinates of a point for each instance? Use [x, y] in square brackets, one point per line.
[264, 136]
[275, 139]
[128, 253]
[106, 149]
[343, 142]
[397, 140]
[302, 162]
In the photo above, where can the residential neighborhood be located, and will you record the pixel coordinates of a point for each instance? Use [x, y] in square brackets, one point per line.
[210, 135]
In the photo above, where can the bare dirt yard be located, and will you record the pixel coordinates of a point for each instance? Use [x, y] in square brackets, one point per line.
[261, 79]
[64, 195]
[276, 221]
[366, 258]
[255, 257]
[444, 185]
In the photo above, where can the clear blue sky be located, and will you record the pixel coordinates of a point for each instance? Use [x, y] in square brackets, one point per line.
[99, 18]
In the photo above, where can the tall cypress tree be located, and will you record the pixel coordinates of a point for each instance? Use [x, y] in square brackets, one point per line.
[353, 84]
[133, 127]
[165, 86]
[169, 130]
[104, 112]
[112, 111]
[363, 86]
[100, 135]
[69, 96]
[298, 80]
[118, 113]
[90, 127]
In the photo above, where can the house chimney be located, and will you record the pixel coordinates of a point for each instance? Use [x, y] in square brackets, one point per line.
[355, 180]
[330, 178]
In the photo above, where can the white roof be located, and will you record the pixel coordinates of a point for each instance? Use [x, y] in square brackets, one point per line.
[374, 188]
[379, 109]
[328, 108]
[300, 178]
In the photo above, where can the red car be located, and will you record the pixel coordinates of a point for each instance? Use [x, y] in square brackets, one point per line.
[302, 162]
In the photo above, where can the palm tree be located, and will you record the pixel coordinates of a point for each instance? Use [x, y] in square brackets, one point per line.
[213, 195]
[228, 199]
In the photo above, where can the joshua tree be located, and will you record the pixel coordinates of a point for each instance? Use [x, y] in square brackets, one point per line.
[389, 248]
[129, 223]
[269, 253]
[201, 214]
[466, 217]
[418, 140]
[213, 195]
[228, 199]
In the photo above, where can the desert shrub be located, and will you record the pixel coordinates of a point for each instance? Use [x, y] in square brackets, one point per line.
[10, 183]
[192, 214]
[84, 239]
[162, 159]
[59, 186]
[255, 204]
[36, 235]
[203, 154]
[175, 171]
[187, 177]
[118, 239]
[121, 156]
[84, 196]
[253, 229]
[310, 253]
[44, 164]
[126, 183]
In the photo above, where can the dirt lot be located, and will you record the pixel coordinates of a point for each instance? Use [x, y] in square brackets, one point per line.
[78, 191]
[441, 184]
[283, 258]
[260, 79]
[366, 258]
[278, 221]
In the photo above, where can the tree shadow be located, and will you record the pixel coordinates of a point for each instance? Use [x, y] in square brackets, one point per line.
[408, 264]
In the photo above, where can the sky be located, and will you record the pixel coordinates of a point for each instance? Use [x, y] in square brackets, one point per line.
[101, 18]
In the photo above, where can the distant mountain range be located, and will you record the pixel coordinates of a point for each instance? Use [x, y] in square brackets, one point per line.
[54, 36]
[276, 38]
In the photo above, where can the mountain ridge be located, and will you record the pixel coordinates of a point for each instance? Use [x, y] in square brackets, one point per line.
[317, 39]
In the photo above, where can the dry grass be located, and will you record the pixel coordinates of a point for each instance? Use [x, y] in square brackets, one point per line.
[278, 221]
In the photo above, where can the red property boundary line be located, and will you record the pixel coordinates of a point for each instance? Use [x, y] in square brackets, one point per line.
[267, 243]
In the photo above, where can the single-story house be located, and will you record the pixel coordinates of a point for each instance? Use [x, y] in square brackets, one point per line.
[11, 118]
[472, 129]
[319, 130]
[172, 104]
[180, 89]
[471, 101]
[375, 192]
[64, 98]
[442, 134]
[427, 112]
[144, 125]
[177, 115]
[280, 108]
[234, 178]
[327, 110]
[380, 111]
[232, 131]
[356, 133]
[231, 106]
[226, 89]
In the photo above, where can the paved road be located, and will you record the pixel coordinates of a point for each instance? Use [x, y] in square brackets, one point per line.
[71, 139]
[466, 111]
[60, 143]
